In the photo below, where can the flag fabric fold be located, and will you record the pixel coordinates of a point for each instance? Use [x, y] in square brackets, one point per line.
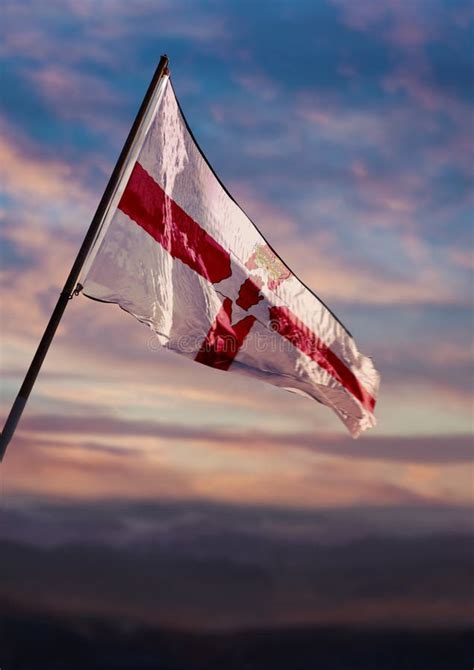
[180, 255]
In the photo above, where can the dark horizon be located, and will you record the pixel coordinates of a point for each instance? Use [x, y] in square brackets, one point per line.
[188, 584]
[208, 567]
[32, 640]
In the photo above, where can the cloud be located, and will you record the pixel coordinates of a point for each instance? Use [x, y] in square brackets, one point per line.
[258, 84]
[118, 18]
[184, 523]
[33, 35]
[430, 449]
[412, 28]
[28, 176]
[106, 26]
[77, 455]
[351, 198]
[404, 25]
[326, 263]
[77, 96]
[463, 257]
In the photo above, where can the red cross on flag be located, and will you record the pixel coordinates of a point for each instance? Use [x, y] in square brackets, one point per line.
[177, 252]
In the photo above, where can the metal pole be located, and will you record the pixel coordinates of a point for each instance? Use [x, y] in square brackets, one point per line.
[70, 285]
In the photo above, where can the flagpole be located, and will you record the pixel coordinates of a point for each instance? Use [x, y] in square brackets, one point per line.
[70, 287]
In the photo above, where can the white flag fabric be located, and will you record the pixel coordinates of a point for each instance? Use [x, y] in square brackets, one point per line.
[178, 253]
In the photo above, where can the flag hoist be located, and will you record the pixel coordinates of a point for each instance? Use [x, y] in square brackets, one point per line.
[170, 245]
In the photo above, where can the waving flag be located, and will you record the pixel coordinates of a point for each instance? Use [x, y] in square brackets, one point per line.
[177, 252]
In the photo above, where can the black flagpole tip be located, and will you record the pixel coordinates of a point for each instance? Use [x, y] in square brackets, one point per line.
[166, 68]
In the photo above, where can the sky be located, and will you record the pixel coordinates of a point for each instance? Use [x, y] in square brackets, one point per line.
[344, 130]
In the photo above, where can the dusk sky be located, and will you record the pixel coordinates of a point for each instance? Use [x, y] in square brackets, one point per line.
[344, 130]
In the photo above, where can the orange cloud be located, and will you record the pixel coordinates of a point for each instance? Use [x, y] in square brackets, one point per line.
[51, 182]
[95, 455]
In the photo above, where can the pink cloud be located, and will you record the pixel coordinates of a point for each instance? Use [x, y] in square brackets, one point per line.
[27, 176]
[405, 24]
[316, 258]
[73, 95]
[106, 26]
[462, 257]
[88, 456]
[258, 84]
[408, 27]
